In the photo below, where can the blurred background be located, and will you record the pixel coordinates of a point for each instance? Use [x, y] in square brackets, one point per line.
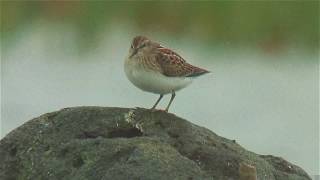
[264, 56]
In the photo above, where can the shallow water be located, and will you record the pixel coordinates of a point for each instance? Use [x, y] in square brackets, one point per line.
[267, 103]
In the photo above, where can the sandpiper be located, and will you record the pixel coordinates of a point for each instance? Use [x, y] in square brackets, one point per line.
[156, 69]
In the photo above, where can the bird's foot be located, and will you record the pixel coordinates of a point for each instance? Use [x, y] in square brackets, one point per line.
[159, 110]
[156, 110]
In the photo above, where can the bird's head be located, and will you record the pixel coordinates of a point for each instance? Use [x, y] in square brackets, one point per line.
[141, 45]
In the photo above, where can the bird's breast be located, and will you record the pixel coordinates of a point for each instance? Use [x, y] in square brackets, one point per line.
[151, 80]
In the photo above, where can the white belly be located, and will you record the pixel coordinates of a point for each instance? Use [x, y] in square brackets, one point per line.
[154, 82]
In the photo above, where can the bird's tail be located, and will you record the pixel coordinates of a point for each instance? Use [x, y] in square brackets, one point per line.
[198, 72]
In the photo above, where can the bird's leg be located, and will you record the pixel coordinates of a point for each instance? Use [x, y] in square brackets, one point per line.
[173, 94]
[157, 102]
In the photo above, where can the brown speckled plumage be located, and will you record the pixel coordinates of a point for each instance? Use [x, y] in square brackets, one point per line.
[174, 65]
[154, 68]
[166, 61]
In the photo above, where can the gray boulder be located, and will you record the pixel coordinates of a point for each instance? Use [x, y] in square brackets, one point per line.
[121, 143]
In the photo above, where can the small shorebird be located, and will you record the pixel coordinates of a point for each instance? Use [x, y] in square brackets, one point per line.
[154, 68]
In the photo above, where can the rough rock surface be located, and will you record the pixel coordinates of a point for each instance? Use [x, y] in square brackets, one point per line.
[120, 143]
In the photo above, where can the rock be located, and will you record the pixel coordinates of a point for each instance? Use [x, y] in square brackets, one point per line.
[120, 143]
[247, 172]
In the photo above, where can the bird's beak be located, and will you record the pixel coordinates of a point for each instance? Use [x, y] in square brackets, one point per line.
[134, 52]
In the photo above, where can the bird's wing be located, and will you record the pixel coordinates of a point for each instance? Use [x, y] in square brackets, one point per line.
[173, 65]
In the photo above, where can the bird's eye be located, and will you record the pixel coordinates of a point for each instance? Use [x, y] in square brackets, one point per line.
[142, 45]
[131, 46]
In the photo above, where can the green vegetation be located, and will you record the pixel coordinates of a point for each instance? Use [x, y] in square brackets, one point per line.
[266, 23]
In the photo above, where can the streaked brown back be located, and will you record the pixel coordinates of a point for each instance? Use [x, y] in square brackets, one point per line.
[174, 65]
